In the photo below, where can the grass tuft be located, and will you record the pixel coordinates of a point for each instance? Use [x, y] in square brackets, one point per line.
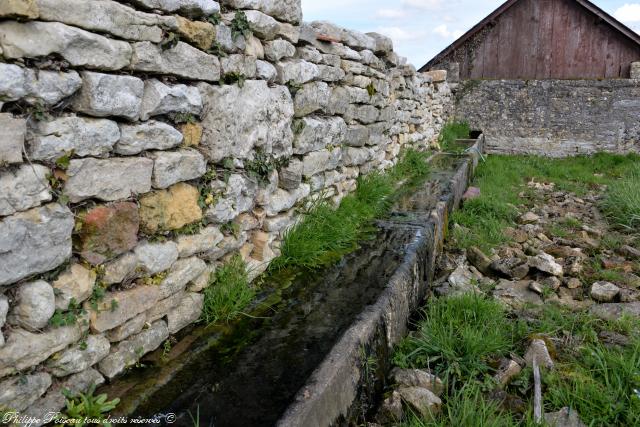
[452, 131]
[622, 200]
[457, 337]
[228, 293]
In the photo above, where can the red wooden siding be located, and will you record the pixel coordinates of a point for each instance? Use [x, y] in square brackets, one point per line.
[542, 39]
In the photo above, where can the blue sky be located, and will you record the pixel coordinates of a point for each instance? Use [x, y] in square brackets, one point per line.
[422, 28]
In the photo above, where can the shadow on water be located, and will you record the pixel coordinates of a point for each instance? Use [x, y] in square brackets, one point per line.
[247, 375]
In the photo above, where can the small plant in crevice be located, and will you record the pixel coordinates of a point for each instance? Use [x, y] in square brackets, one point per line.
[215, 18]
[293, 87]
[169, 41]
[68, 317]
[79, 407]
[228, 293]
[217, 49]
[262, 165]
[234, 77]
[39, 112]
[180, 118]
[297, 126]
[231, 228]
[240, 26]
[371, 90]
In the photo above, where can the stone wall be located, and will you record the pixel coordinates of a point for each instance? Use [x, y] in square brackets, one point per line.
[145, 142]
[553, 117]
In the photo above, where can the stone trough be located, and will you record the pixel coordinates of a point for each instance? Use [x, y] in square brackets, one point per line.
[316, 349]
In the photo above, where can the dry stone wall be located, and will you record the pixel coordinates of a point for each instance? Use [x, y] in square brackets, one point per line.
[144, 142]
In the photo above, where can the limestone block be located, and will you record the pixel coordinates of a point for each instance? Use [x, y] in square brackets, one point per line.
[128, 304]
[192, 134]
[128, 328]
[80, 48]
[192, 8]
[187, 312]
[22, 9]
[151, 135]
[291, 175]
[203, 280]
[154, 258]
[237, 197]
[34, 241]
[365, 114]
[278, 49]
[108, 179]
[254, 47]
[11, 138]
[284, 10]
[182, 272]
[310, 98]
[203, 241]
[437, 76]
[163, 307]
[76, 283]
[50, 87]
[283, 200]
[182, 60]
[357, 136]
[310, 53]
[106, 16]
[289, 32]
[79, 357]
[50, 140]
[170, 167]
[297, 71]
[104, 95]
[266, 120]
[25, 349]
[330, 74]
[20, 392]
[239, 64]
[358, 40]
[355, 156]
[200, 34]
[107, 231]
[121, 269]
[340, 101]
[384, 44]
[226, 246]
[266, 71]
[162, 99]
[127, 352]
[170, 209]
[33, 306]
[262, 25]
[23, 188]
[318, 133]
[320, 161]
[12, 82]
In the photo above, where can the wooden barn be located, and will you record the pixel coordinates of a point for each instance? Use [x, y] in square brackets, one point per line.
[543, 39]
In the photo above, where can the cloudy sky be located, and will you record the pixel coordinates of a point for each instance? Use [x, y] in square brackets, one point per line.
[422, 28]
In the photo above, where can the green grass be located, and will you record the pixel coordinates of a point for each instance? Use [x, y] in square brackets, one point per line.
[326, 233]
[461, 336]
[622, 201]
[502, 178]
[468, 407]
[228, 293]
[457, 337]
[452, 131]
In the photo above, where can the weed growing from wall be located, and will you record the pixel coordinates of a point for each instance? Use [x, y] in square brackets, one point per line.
[228, 293]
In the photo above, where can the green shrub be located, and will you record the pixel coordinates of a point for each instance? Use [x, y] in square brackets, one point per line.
[228, 293]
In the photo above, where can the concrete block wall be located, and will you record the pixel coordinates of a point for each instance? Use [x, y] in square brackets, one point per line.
[144, 142]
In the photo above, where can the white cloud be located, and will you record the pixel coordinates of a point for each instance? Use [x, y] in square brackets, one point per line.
[629, 12]
[444, 32]
[423, 4]
[400, 34]
[391, 13]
